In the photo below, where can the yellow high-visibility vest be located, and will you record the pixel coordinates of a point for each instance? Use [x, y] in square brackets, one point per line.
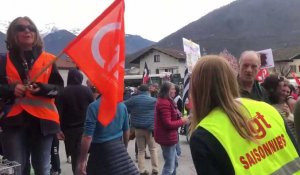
[275, 153]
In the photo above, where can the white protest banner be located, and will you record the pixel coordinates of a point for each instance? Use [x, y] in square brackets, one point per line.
[192, 51]
[266, 58]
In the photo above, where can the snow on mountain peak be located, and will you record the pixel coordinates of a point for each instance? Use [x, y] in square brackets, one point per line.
[44, 31]
[3, 26]
[48, 28]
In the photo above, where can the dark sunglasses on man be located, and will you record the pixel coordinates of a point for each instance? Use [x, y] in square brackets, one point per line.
[22, 28]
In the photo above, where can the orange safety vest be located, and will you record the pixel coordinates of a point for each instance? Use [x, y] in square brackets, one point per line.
[37, 106]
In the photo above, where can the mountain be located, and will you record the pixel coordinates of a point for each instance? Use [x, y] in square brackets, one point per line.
[135, 43]
[48, 30]
[56, 40]
[2, 42]
[243, 25]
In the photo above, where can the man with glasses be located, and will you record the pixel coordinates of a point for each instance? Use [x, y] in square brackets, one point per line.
[249, 65]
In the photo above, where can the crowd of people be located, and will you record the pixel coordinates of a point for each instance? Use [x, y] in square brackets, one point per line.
[237, 125]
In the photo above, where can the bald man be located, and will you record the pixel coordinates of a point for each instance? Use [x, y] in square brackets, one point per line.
[249, 65]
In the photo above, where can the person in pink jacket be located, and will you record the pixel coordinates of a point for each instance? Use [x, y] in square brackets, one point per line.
[166, 123]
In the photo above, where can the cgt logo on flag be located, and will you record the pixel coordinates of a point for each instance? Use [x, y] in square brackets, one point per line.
[99, 51]
[97, 40]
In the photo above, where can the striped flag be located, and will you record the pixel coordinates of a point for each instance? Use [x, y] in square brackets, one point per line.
[146, 76]
[186, 85]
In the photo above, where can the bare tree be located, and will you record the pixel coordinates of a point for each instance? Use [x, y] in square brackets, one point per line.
[231, 59]
[282, 68]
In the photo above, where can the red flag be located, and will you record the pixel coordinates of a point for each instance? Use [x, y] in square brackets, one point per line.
[296, 78]
[146, 76]
[262, 74]
[99, 52]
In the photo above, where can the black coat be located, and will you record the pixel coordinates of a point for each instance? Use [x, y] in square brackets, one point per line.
[73, 101]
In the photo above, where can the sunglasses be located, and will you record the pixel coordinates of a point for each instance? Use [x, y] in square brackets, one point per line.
[22, 28]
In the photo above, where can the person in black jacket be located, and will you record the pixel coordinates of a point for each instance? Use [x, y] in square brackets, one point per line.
[178, 102]
[177, 99]
[72, 104]
[31, 123]
[249, 65]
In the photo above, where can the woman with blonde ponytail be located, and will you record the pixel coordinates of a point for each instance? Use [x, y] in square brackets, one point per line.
[232, 135]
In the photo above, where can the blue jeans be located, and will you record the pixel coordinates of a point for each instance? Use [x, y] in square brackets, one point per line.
[55, 159]
[170, 157]
[20, 144]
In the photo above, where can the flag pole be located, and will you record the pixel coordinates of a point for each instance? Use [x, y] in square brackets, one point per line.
[46, 67]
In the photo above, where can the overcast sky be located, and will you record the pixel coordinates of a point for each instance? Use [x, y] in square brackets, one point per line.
[151, 19]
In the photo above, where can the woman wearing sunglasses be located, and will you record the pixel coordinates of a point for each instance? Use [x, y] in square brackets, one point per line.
[32, 120]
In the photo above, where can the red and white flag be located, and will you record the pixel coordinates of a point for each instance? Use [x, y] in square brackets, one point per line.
[99, 51]
[296, 78]
[146, 76]
[262, 74]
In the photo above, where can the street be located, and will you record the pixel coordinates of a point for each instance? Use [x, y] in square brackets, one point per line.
[185, 166]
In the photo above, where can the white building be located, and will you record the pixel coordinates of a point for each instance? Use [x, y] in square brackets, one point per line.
[160, 60]
[63, 66]
[287, 60]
